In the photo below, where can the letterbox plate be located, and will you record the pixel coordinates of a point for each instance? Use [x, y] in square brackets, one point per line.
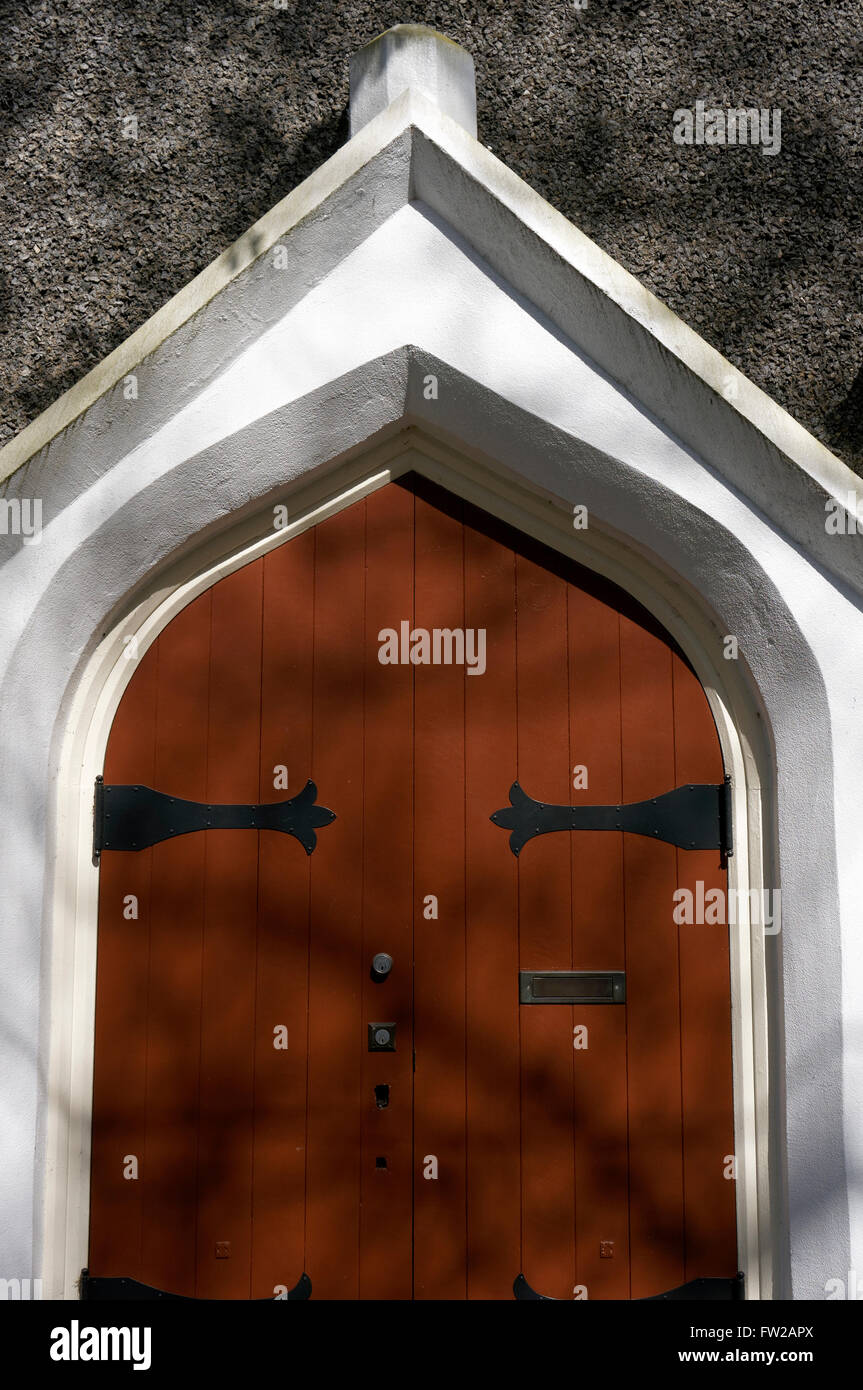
[572, 987]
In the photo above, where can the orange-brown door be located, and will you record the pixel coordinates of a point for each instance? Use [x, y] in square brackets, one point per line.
[267, 1103]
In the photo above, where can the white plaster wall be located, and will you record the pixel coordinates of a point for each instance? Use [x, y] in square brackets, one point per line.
[514, 386]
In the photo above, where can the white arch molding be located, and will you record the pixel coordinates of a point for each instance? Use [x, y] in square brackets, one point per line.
[746, 749]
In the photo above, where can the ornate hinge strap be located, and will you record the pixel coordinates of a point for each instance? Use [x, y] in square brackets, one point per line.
[695, 816]
[135, 817]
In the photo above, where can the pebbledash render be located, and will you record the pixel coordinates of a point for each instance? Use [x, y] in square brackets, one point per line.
[414, 308]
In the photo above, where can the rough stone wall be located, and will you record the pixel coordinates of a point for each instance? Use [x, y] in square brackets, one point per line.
[238, 100]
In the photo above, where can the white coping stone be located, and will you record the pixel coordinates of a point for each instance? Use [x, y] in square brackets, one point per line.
[411, 56]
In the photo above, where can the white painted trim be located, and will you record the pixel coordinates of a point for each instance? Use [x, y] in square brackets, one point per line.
[75, 889]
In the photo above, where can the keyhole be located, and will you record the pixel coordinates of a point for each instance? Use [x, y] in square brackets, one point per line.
[382, 1097]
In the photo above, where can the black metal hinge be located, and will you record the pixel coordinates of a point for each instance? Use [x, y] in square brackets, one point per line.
[695, 816]
[98, 1289]
[696, 1291]
[135, 817]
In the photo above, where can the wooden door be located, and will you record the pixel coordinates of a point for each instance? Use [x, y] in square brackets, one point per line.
[249, 1125]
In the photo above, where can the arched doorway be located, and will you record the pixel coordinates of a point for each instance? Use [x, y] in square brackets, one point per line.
[493, 1131]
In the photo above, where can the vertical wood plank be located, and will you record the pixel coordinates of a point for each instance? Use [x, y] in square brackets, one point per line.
[337, 1034]
[279, 1195]
[652, 996]
[493, 1091]
[545, 935]
[599, 1063]
[176, 936]
[229, 962]
[439, 996]
[386, 1245]
[120, 1047]
[705, 1009]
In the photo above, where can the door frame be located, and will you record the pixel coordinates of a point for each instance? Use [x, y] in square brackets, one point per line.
[743, 733]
